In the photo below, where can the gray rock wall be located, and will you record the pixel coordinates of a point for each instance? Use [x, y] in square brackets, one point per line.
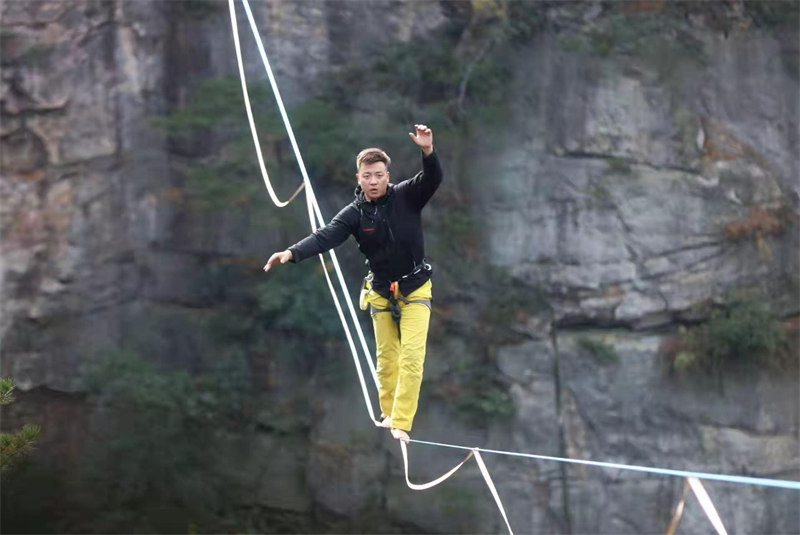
[610, 189]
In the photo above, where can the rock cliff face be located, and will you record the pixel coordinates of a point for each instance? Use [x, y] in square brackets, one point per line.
[639, 180]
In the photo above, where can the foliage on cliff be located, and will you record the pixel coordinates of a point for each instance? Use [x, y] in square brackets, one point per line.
[741, 334]
[14, 447]
[154, 462]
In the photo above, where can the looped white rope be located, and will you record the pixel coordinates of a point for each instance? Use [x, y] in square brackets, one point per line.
[311, 202]
[430, 484]
[314, 206]
[251, 121]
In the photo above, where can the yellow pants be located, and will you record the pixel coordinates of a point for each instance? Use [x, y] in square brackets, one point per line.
[400, 355]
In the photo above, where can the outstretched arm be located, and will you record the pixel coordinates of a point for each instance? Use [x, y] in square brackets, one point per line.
[323, 239]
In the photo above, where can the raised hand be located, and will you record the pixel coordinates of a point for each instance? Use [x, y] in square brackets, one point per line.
[423, 137]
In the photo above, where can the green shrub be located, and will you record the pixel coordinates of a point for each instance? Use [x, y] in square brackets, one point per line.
[484, 398]
[744, 331]
[773, 14]
[14, 447]
[601, 195]
[619, 166]
[740, 335]
[297, 298]
[599, 350]
[150, 461]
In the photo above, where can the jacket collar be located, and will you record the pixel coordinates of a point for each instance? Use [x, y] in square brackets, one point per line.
[362, 199]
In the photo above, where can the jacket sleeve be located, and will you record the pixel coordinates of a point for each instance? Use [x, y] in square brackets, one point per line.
[326, 238]
[422, 186]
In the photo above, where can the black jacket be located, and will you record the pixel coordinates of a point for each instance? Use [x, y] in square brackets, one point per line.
[388, 230]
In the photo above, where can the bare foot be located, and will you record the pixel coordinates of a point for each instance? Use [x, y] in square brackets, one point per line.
[386, 422]
[399, 434]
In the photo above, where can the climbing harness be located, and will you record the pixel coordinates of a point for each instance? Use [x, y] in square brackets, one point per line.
[395, 296]
[315, 218]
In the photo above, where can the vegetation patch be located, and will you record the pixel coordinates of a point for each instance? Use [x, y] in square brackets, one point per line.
[601, 352]
[15, 447]
[483, 398]
[741, 335]
[475, 391]
[601, 195]
[773, 15]
[143, 469]
[298, 299]
[760, 224]
[619, 166]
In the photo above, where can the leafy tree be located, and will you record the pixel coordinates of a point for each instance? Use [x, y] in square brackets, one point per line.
[741, 335]
[155, 458]
[14, 447]
[298, 299]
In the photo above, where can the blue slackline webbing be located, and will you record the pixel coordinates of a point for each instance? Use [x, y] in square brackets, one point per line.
[780, 483]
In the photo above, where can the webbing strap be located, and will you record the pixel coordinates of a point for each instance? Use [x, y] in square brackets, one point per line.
[481, 465]
[678, 514]
[767, 482]
[426, 302]
[490, 484]
[707, 505]
[430, 484]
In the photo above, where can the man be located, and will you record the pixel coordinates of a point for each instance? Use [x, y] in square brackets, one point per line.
[386, 222]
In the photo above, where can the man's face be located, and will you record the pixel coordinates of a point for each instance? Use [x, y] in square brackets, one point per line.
[373, 179]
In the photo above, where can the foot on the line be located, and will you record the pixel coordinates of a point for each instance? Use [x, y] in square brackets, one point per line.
[399, 434]
[386, 422]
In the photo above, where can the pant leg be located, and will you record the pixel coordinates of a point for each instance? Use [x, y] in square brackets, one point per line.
[387, 351]
[414, 322]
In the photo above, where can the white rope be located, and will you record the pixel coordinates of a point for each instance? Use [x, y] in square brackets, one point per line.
[311, 203]
[430, 484]
[264, 174]
[309, 189]
[707, 505]
[489, 483]
[313, 209]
